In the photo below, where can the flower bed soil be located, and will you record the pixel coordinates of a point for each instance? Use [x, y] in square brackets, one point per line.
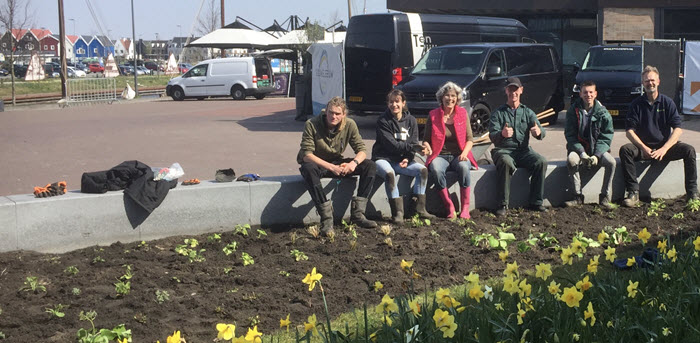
[203, 294]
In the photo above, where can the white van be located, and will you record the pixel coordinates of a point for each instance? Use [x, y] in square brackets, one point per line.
[237, 77]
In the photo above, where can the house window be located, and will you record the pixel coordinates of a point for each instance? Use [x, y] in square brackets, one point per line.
[80, 51]
[4, 45]
[29, 46]
[53, 47]
[94, 50]
[46, 47]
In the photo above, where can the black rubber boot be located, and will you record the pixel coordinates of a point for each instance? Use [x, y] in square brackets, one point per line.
[357, 213]
[420, 207]
[396, 210]
[325, 210]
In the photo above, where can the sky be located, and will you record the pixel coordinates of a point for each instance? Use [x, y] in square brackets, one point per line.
[164, 19]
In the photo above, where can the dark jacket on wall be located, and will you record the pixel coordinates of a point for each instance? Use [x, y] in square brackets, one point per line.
[135, 178]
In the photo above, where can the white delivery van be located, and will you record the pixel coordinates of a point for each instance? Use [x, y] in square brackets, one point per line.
[237, 77]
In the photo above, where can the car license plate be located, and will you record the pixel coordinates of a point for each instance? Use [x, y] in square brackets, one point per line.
[422, 121]
[355, 99]
[614, 112]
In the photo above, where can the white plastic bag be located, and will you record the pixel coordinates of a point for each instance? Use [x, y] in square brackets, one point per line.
[175, 171]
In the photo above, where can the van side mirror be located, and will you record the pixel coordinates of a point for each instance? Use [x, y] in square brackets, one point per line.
[577, 67]
[493, 71]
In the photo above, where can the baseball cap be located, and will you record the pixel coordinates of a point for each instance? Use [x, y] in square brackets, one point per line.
[513, 81]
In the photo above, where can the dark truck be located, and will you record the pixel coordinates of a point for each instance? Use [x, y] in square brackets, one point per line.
[616, 71]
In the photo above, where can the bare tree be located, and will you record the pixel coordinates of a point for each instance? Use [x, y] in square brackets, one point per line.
[14, 14]
[210, 21]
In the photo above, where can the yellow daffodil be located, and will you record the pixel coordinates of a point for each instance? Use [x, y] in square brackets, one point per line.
[696, 243]
[661, 245]
[644, 236]
[415, 275]
[610, 254]
[503, 255]
[671, 254]
[543, 271]
[662, 307]
[584, 284]
[511, 269]
[414, 305]
[554, 288]
[521, 315]
[226, 331]
[610, 324]
[312, 279]
[123, 341]
[665, 331]
[632, 289]
[476, 293]
[589, 313]
[406, 266]
[253, 335]
[577, 247]
[666, 276]
[602, 237]
[527, 302]
[373, 336]
[567, 256]
[175, 338]
[387, 305]
[450, 302]
[498, 306]
[311, 325]
[631, 261]
[576, 337]
[593, 265]
[510, 285]
[571, 296]
[472, 279]
[442, 293]
[524, 289]
[284, 323]
[377, 286]
[445, 323]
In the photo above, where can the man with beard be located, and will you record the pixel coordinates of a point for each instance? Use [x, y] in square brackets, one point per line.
[654, 126]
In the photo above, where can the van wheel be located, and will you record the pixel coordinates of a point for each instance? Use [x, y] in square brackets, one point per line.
[178, 94]
[260, 96]
[237, 93]
[480, 120]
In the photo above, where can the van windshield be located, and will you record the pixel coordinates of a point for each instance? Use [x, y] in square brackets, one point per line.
[613, 59]
[451, 61]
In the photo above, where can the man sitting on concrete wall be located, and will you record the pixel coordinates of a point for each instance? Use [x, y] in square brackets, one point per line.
[589, 132]
[323, 142]
[510, 130]
[654, 126]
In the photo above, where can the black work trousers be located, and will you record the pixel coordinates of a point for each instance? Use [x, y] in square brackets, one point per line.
[312, 174]
[629, 153]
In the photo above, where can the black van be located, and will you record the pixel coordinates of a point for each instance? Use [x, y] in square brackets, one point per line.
[617, 73]
[481, 70]
[380, 49]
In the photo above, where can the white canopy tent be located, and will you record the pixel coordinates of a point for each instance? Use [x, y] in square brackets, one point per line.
[228, 38]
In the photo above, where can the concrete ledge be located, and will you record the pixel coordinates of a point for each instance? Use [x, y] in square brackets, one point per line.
[77, 220]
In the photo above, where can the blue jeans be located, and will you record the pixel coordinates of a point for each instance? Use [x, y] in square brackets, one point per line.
[388, 171]
[442, 163]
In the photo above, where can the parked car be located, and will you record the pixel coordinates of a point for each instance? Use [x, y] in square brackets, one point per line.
[96, 68]
[184, 67]
[481, 69]
[50, 70]
[616, 71]
[4, 72]
[237, 77]
[20, 70]
[82, 67]
[126, 69]
[73, 72]
[141, 70]
[154, 66]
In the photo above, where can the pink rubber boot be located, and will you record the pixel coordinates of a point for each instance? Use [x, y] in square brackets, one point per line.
[449, 206]
[465, 192]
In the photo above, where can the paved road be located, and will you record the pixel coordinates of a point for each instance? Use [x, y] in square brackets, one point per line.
[43, 144]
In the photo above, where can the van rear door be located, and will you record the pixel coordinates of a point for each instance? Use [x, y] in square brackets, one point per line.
[263, 73]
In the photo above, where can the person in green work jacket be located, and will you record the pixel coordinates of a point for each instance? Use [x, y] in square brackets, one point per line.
[510, 130]
[589, 132]
[320, 155]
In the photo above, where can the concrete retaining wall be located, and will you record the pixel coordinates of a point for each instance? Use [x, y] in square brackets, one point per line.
[77, 220]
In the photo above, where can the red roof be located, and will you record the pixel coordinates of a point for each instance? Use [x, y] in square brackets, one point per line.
[126, 43]
[18, 33]
[72, 38]
[40, 33]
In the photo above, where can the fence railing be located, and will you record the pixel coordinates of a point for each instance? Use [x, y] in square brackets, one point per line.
[91, 90]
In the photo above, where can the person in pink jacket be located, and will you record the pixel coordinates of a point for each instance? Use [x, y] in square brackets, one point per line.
[448, 142]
